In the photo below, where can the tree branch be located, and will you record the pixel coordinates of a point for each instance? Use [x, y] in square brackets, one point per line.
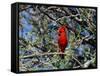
[41, 54]
[77, 61]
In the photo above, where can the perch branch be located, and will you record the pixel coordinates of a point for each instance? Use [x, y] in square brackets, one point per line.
[41, 54]
[55, 53]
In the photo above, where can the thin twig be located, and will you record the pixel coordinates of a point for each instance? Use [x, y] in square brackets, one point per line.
[77, 61]
[76, 67]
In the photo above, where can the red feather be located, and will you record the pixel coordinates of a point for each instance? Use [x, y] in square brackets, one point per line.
[62, 39]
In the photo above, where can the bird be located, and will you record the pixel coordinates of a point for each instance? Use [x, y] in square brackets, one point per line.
[62, 39]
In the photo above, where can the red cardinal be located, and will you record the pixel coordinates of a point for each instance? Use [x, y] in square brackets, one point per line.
[62, 39]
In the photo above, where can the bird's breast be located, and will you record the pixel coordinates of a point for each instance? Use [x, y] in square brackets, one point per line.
[62, 40]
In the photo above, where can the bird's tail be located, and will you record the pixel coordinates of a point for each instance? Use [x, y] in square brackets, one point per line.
[62, 56]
